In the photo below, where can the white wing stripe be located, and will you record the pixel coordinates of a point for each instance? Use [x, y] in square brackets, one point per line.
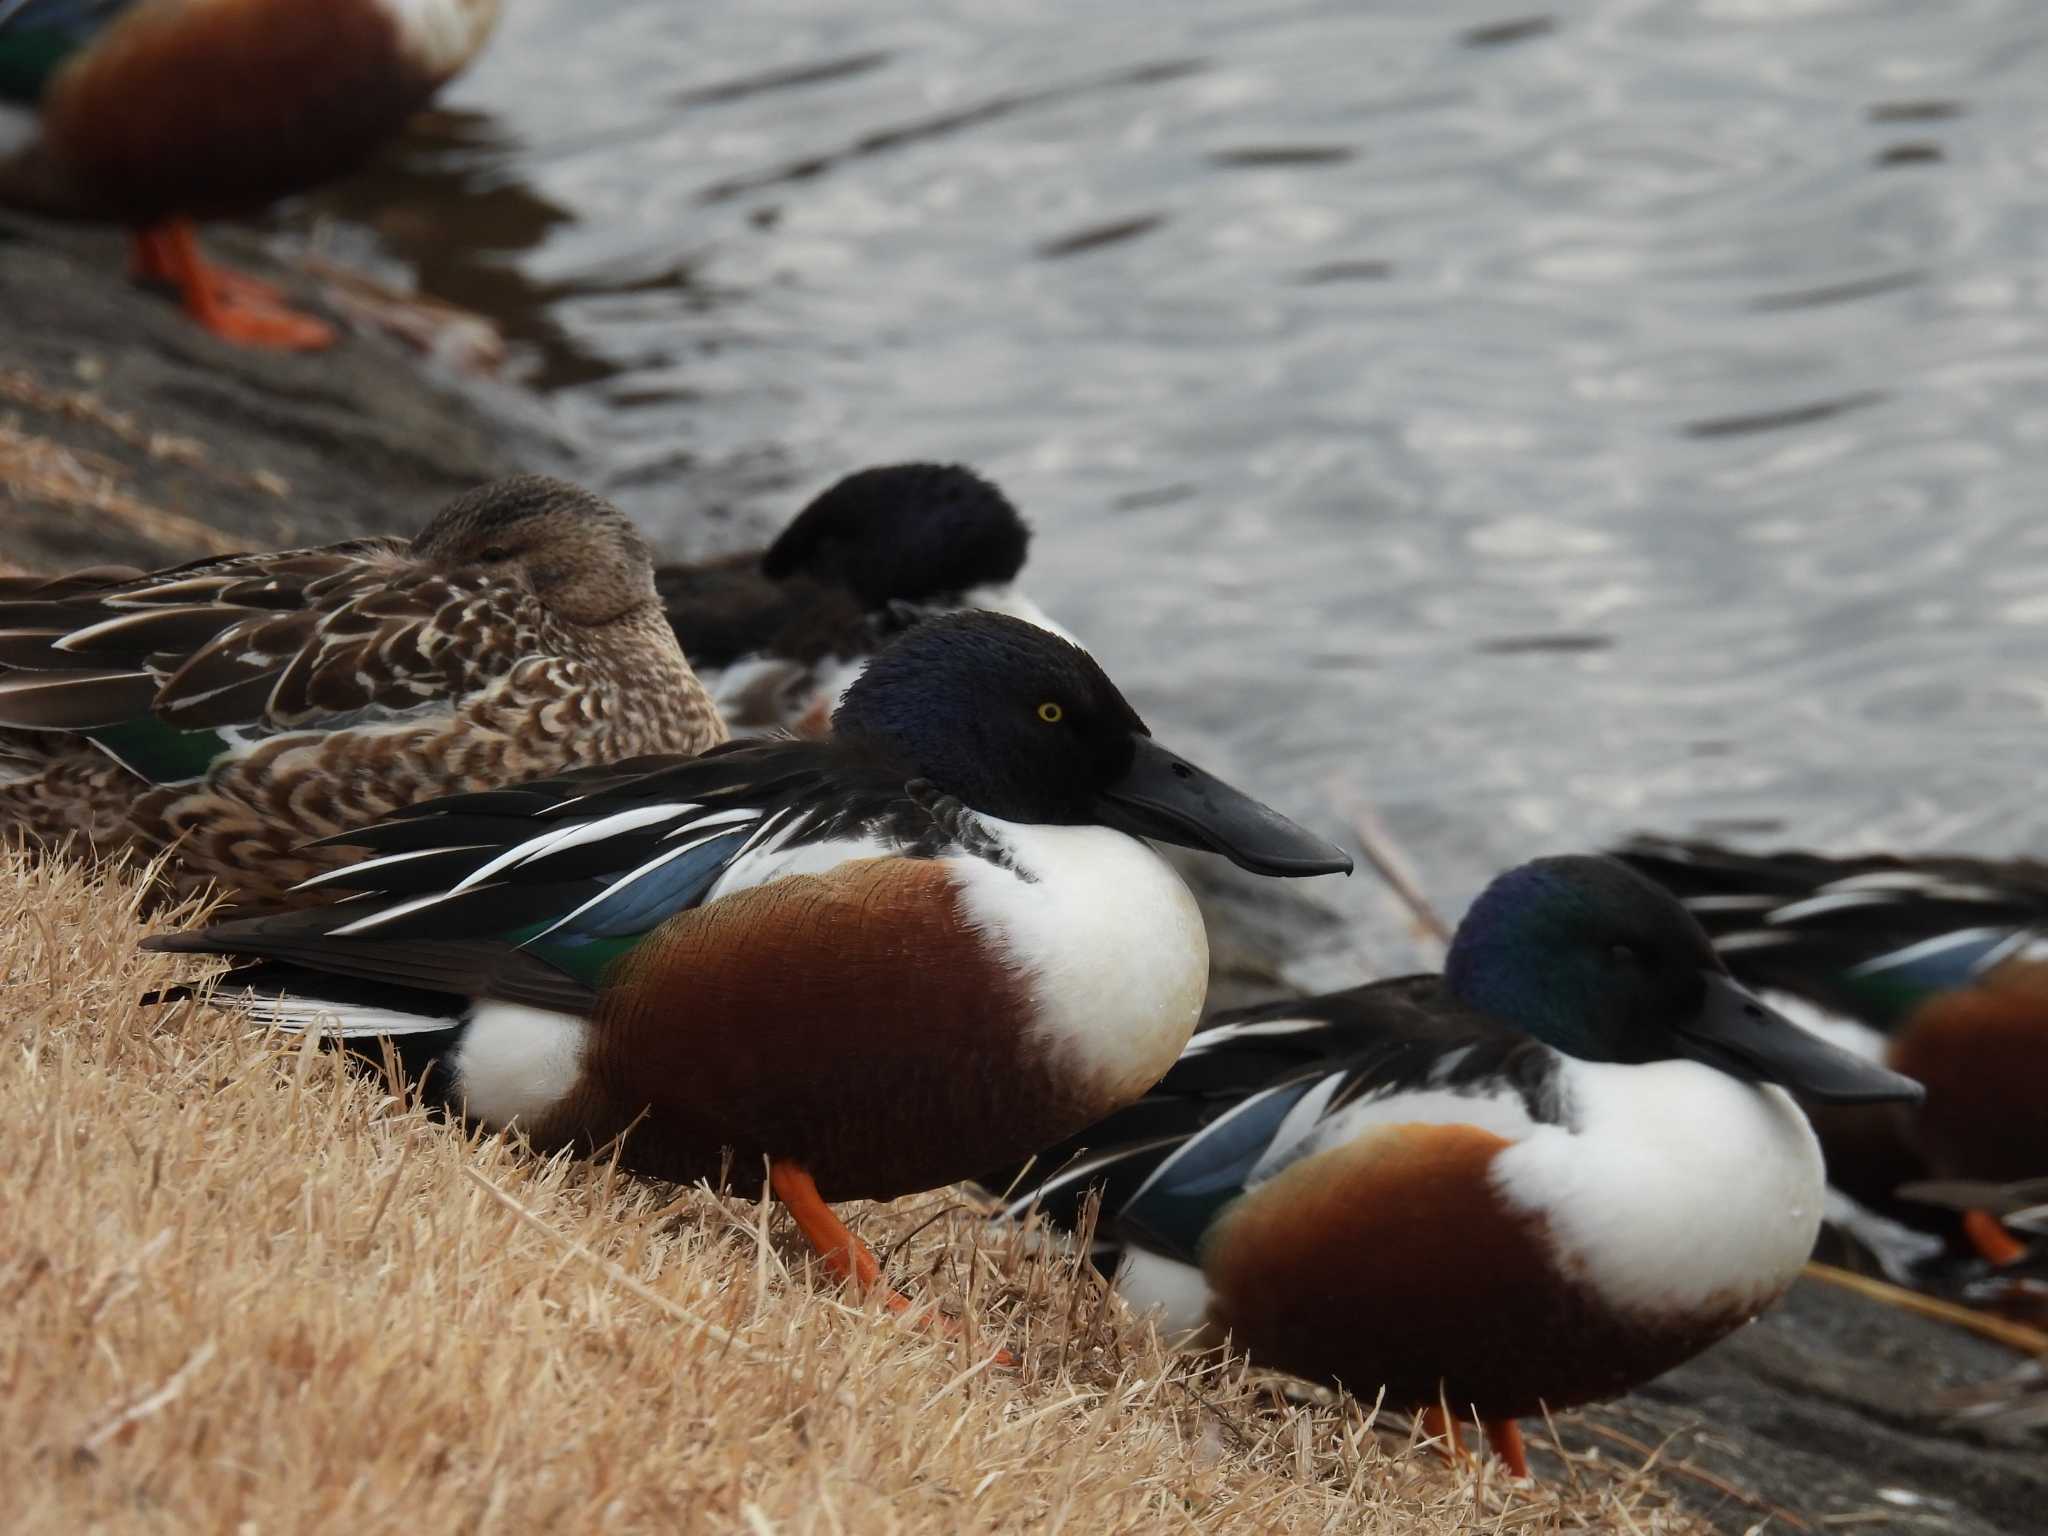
[516, 854]
[1222, 1034]
[378, 919]
[1962, 938]
[716, 819]
[1821, 906]
[366, 865]
[623, 821]
[627, 879]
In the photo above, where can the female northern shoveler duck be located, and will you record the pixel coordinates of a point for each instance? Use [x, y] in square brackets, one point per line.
[877, 963]
[157, 112]
[273, 699]
[778, 634]
[1937, 966]
[1549, 1174]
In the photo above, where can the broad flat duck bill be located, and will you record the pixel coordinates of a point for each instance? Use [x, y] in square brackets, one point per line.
[1163, 796]
[1739, 1033]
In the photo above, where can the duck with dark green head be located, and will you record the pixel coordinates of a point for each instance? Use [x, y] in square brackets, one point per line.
[1549, 1174]
[1934, 964]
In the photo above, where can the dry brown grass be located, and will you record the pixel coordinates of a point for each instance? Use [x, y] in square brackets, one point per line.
[244, 1287]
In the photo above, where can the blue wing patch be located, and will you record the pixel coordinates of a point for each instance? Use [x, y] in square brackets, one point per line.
[1894, 984]
[1180, 1202]
[633, 906]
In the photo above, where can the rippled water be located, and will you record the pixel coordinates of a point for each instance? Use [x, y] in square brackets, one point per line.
[1536, 426]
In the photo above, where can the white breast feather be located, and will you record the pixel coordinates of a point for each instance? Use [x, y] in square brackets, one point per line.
[1109, 938]
[1678, 1187]
[439, 36]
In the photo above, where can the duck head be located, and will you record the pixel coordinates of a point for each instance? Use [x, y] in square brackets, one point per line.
[1597, 961]
[904, 538]
[1019, 724]
[575, 551]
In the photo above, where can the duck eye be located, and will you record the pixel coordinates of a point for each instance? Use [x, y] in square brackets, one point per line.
[491, 554]
[1625, 955]
[1051, 713]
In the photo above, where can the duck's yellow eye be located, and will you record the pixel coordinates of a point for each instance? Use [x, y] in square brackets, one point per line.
[1050, 712]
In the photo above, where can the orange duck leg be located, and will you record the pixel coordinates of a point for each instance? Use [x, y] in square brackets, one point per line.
[1995, 1245]
[1437, 1424]
[844, 1254]
[1503, 1437]
[237, 308]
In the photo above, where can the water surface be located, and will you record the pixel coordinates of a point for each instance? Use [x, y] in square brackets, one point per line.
[1534, 425]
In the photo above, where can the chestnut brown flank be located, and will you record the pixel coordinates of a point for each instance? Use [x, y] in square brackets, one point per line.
[304, 93]
[811, 1019]
[1389, 1260]
[1983, 1055]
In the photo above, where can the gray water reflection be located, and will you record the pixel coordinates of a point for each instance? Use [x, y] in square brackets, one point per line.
[1538, 425]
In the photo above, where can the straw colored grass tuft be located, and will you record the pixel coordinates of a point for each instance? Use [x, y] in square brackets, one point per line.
[244, 1286]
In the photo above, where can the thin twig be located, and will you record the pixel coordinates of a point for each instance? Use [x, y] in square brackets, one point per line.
[2018, 1336]
[1391, 865]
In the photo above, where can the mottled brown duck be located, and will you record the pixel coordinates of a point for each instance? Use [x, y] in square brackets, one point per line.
[234, 709]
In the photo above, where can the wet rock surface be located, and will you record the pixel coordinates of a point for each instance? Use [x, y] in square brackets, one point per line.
[1830, 1408]
[129, 435]
[126, 434]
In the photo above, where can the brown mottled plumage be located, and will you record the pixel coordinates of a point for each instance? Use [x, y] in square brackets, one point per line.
[273, 699]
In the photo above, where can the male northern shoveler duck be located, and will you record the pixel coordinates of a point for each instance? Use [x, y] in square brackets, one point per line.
[877, 963]
[155, 112]
[1545, 1176]
[1937, 966]
[2018, 1283]
[270, 699]
[778, 634]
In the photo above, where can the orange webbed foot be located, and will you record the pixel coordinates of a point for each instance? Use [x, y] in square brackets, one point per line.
[283, 330]
[1987, 1234]
[238, 288]
[845, 1254]
[241, 309]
